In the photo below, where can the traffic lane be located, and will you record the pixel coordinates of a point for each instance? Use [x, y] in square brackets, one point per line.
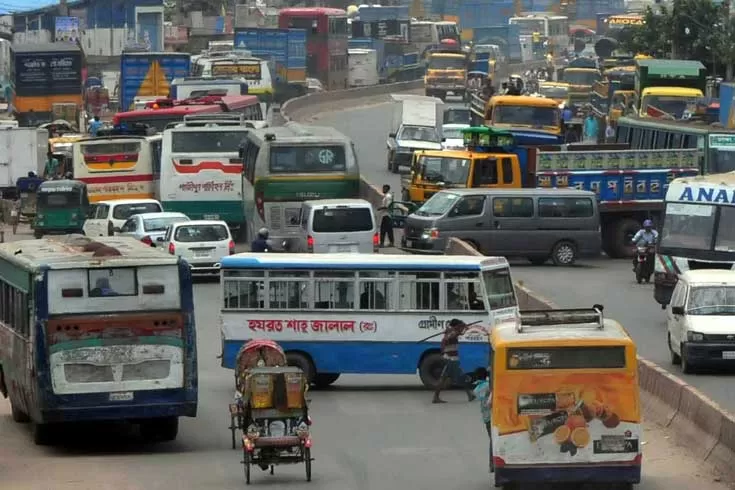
[612, 283]
[368, 127]
[370, 433]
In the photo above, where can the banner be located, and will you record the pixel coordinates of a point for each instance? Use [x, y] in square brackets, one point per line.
[67, 30]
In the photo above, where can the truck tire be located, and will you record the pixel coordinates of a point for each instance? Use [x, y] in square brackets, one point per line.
[621, 247]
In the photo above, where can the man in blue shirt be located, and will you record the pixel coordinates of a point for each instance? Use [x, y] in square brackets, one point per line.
[591, 129]
[95, 126]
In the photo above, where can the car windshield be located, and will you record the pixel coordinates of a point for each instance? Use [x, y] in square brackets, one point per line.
[581, 77]
[451, 171]
[523, 115]
[711, 300]
[554, 91]
[438, 204]
[416, 133]
[160, 224]
[201, 233]
[125, 211]
[668, 106]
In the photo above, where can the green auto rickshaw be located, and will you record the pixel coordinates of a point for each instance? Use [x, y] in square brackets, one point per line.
[61, 207]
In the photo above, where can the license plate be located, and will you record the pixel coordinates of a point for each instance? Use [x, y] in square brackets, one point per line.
[211, 216]
[122, 396]
[728, 355]
[201, 254]
[344, 249]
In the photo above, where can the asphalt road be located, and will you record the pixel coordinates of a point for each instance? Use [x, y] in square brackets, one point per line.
[370, 433]
[606, 281]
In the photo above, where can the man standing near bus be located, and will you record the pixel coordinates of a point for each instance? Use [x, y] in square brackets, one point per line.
[386, 223]
[450, 353]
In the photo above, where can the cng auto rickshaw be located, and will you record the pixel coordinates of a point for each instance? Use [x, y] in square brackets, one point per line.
[61, 207]
[27, 190]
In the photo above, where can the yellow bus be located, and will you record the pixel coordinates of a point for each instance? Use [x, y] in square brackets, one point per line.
[566, 404]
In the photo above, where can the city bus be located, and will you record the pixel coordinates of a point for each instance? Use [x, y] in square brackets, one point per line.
[287, 165]
[118, 164]
[427, 35]
[255, 71]
[717, 144]
[326, 42]
[698, 230]
[163, 112]
[201, 170]
[555, 28]
[363, 313]
[96, 331]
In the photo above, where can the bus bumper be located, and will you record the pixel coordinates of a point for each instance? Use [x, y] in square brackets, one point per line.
[560, 474]
[98, 407]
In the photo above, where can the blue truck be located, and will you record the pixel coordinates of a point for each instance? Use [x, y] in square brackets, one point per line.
[149, 75]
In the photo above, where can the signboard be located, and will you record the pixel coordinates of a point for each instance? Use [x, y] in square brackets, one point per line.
[722, 140]
[383, 29]
[67, 30]
[286, 48]
[250, 71]
[46, 74]
[617, 22]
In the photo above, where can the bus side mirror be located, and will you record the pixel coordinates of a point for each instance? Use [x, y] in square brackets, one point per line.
[391, 135]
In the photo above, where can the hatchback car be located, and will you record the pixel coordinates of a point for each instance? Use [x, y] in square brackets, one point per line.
[150, 228]
[202, 243]
[106, 217]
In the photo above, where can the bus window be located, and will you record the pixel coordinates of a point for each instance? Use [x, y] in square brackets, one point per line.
[242, 289]
[461, 290]
[375, 290]
[334, 290]
[418, 291]
[635, 142]
[288, 290]
[675, 141]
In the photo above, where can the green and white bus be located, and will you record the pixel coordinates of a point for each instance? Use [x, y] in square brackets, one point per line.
[284, 166]
[717, 144]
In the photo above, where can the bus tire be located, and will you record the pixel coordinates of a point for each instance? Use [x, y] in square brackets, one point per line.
[323, 380]
[430, 370]
[18, 415]
[301, 361]
[43, 434]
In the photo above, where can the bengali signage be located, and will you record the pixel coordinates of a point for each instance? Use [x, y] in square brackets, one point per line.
[248, 71]
[46, 74]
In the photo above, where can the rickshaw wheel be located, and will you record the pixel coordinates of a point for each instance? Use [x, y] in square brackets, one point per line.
[246, 462]
[307, 462]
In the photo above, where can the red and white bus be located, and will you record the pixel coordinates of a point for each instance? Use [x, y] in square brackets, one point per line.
[326, 42]
[162, 112]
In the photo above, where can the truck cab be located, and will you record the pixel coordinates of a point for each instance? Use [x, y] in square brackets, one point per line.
[416, 125]
[669, 89]
[446, 72]
[487, 162]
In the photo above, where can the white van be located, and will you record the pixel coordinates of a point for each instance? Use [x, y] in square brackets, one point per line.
[107, 217]
[700, 321]
[203, 243]
[337, 226]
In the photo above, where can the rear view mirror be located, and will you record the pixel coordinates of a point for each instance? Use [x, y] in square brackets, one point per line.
[677, 310]
[391, 135]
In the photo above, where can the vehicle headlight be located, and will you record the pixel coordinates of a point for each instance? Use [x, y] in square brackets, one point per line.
[253, 431]
[695, 337]
[430, 234]
[302, 430]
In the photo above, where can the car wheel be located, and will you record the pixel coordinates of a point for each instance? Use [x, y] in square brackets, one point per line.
[564, 253]
[675, 359]
[686, 366]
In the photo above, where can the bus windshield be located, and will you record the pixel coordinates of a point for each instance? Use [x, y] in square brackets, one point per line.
[307, 159]
[207, 141]
[554, 91]
[499, 289]
[670, 105]
[526, 115]
[689, 226]
[581, 77]
[447, 63]
[450, 171]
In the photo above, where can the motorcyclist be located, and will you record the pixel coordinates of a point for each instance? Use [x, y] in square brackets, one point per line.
[261, 243]
[645, 236]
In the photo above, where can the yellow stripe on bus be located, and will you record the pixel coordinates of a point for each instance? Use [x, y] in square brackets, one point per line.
[110, 197]
[114, 167]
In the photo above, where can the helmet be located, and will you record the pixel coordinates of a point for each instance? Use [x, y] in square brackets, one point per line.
[648, 224]
[263, 232]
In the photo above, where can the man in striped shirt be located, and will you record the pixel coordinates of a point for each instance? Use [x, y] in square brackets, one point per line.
[450, 353]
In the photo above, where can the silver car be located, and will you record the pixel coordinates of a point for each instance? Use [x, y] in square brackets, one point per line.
[150, 228]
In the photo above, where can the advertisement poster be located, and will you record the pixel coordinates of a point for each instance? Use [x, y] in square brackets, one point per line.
[67, 30]
[48, 74]
[563, 416]
[248, 71]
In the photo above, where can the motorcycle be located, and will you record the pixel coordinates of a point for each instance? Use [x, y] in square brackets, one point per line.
[645, 255]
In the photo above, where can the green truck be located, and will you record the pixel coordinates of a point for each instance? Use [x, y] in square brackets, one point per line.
[669, 89]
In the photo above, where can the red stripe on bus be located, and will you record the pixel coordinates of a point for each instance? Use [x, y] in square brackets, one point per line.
[232, 168]
[117, 157]
[117, 178]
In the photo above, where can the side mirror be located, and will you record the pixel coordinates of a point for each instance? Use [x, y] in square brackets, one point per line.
[444, 140]
[159, 239]
[391, 135]
[677, 310]
[116, 229]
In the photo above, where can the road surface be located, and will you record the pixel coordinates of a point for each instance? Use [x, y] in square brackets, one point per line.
[606, 281]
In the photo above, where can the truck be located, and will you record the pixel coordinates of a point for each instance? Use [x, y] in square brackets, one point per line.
[22, 150]
[581, 75]
[669, 88]
[416, 125]
[46, 77]
[148, 76]
[285, 52]
[614, 95]
[630, 184]
[446, 72]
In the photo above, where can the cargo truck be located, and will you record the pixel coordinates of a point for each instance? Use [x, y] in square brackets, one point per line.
[446, 72]
[22, 150]
[416, 125]
[669, 89]
[146, 77]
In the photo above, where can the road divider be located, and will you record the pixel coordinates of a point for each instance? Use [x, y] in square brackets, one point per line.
[697, 423]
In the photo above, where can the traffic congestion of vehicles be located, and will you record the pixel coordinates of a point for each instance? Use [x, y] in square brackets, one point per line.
[318, 283]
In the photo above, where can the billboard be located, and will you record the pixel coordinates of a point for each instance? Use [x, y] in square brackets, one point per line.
[67, 30]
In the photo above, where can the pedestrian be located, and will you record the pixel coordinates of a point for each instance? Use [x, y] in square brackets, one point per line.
[450, 353]
[95, 126]
[591, 129]
[386, 223]
[15, 214]
[609, 132]
[52, 166]
[483, 392]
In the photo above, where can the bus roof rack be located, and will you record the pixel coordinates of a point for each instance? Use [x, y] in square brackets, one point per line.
[576, 316]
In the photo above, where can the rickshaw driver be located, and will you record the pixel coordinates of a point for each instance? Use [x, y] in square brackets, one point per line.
[450, 353]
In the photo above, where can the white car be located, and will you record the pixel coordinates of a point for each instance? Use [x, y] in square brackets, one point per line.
[106, 217]
[202, 243]
[701, 320]
[452, 138]
[150, 228]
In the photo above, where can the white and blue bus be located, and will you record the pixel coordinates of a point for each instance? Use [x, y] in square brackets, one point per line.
[363, 313]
